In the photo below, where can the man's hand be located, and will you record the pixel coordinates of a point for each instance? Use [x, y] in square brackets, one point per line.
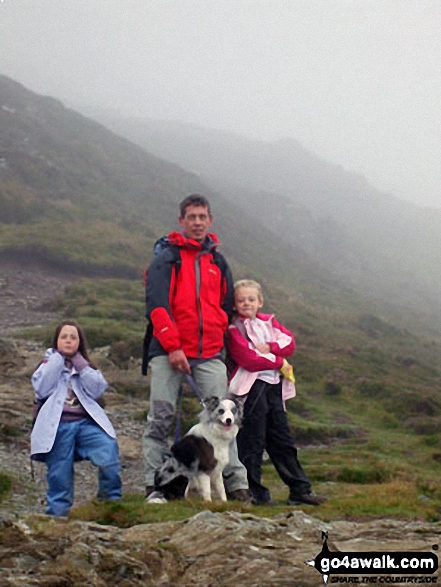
[178, 361]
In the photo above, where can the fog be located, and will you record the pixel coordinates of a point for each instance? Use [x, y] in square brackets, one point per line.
[356, 81]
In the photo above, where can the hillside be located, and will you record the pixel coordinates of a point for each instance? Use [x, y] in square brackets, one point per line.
[64, 175]
[80, 199]
[379, 246]
[86, 204]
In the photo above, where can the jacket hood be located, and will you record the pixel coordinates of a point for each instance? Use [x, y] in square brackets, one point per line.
[179, 239]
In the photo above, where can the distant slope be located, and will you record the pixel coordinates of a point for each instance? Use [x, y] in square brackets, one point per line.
[383, 247]
[77, 196]
[65, 162]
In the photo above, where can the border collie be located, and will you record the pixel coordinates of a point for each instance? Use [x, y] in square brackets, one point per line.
[198, 459]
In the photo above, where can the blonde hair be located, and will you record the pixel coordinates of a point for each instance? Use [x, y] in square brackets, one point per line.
[251, 284]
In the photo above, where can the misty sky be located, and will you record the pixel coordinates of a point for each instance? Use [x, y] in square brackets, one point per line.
[356, 81]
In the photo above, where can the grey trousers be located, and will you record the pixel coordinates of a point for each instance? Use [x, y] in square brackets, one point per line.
[211, 379]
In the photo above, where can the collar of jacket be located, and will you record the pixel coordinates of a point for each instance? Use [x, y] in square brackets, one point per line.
[177, 238]
[264, 317]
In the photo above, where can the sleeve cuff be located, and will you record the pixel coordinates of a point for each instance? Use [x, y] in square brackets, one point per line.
[79, 362]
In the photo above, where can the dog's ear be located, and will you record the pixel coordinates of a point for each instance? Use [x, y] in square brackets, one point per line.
[211, 403]
[239, 405]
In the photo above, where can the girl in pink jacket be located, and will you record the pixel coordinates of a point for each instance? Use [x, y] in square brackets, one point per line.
[259, 346]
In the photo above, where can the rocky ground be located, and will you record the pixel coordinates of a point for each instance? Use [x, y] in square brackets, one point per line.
[209, 549]
[27, 294]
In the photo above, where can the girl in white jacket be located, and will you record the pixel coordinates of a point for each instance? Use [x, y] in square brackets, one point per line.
[70, 424]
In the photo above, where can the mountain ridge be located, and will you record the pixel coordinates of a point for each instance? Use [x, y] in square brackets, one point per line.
[58, 166]
[63, 172]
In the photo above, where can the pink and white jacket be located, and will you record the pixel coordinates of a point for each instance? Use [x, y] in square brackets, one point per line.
[243, 336]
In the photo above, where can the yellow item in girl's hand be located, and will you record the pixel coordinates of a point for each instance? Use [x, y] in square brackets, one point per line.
[287, 371]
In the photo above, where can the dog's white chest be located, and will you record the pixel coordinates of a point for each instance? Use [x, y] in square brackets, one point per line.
[221, 454]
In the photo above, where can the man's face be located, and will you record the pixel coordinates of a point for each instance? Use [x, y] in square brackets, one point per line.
[196, 222]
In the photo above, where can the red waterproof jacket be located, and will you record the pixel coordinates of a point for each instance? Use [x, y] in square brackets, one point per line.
[189, 301]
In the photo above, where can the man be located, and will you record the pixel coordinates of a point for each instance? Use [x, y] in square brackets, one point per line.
[189, 296]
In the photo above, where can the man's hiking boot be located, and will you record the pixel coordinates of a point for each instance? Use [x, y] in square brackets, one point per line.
[242, 495]
[306, 499]
[255, 501]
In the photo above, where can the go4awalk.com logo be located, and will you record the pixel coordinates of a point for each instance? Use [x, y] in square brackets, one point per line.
[376, 567]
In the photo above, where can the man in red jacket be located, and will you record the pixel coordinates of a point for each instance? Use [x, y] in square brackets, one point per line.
[189, 296]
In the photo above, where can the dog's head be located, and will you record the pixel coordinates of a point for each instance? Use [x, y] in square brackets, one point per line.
[170, 469]
[227, 412]
[172, 478]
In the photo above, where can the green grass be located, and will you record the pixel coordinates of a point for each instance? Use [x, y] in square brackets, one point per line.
[110, 311]
[96, 248]
[132, 510]
[387, 473]
[397, 498]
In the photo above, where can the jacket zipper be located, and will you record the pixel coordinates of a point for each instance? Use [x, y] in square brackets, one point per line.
[197, 267]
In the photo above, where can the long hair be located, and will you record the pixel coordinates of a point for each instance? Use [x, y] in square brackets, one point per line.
[82, 347]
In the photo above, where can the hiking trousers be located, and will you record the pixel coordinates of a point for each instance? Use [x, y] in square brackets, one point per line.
[265, 426]
[81, 440]
[211, 380]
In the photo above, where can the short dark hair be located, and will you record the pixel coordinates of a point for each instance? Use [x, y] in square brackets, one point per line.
[193, 200]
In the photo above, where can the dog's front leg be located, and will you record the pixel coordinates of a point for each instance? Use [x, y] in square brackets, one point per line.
[217, 484]
[192, 489]
[204, 486]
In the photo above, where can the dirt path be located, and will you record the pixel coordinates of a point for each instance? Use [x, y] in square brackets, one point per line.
[27, 294]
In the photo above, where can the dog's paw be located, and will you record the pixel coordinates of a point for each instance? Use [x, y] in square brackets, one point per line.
[156, 497]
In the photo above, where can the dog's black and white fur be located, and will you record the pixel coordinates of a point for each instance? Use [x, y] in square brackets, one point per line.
[198, 459]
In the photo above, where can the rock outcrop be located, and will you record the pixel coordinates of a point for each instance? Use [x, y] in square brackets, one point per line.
[209, 549]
